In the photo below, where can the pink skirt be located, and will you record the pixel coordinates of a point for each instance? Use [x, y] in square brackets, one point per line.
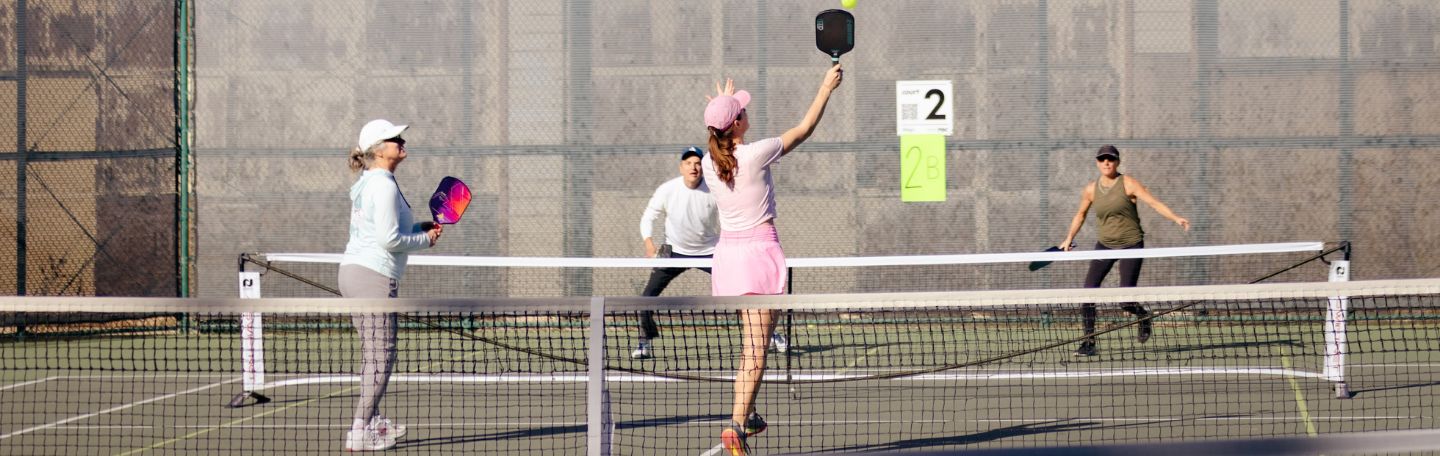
[749, 262]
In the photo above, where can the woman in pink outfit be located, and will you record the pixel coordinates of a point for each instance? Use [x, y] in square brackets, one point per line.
[748, 259]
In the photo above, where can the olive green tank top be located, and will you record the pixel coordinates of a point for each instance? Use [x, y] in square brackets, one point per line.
[1118, 217]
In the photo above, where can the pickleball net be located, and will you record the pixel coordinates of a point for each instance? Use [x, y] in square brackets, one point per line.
[865, 372]
[446, 276]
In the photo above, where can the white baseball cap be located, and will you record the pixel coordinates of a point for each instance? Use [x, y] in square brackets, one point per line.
[379, 130]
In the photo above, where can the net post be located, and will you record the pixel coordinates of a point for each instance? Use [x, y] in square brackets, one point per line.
[600, 427]
[252, 354]
[1335, 327]
[789, 335]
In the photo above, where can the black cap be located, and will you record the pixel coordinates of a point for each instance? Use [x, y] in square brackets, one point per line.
[1108, 150]
[692, 150]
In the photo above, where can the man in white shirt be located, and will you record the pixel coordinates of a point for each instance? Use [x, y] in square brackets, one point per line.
[691, 231]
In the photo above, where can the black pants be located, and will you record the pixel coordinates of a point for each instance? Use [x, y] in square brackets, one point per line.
[1129, 277]
[659, 279]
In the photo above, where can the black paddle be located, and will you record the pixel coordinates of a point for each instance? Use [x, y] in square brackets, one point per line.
[835, 33]
[1036, 265]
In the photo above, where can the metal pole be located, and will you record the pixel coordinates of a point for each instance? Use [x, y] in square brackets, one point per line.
[1346, 166]
[597, 401]
[182, 141]
[21, 32]
[579, 166]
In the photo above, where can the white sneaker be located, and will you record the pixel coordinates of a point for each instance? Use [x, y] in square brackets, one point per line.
[387, 428]
[778, 343]
[367, 440]
[642, 351]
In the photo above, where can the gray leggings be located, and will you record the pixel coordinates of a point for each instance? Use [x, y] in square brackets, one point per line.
[379, 333]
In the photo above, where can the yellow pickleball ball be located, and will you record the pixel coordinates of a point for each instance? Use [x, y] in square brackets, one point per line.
[847, 4]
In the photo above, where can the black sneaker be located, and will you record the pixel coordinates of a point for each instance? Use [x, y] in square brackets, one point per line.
[754, 424]
[1143, 331]
[1087, 348]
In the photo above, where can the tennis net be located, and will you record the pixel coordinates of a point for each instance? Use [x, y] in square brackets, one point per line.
[444, 276]
[865, 372]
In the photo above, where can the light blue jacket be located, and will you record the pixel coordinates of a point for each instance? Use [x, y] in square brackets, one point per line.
[382, 229]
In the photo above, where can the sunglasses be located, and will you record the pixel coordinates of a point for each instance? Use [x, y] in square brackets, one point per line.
[1106, 158]
[740, 116]
[397, 140]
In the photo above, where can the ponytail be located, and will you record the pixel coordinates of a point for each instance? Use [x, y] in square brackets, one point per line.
[722, 152]
[361, 160]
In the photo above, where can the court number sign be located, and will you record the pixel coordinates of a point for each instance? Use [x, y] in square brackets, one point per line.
[922, 168]
[924, 116]
[924, 108]
[249, 285]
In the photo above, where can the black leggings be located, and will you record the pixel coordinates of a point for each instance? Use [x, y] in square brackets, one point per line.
[1129, 277]
[659, 279]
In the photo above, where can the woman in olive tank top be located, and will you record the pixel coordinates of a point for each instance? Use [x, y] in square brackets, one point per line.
[1113, 197]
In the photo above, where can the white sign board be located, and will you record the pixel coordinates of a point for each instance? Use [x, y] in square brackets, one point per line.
[924, 108]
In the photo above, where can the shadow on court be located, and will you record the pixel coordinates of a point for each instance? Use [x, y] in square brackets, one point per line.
[981, 437]
[1235, 345]
[450, 442]
[671, 421]
[802, 350]
[1358, 392]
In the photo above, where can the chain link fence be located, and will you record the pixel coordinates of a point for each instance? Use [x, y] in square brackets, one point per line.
[88, 202]
[1260, 122]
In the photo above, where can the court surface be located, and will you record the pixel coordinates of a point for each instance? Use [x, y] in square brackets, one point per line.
[1055, 400]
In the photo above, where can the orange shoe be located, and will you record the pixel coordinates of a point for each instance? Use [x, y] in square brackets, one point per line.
[733, 438]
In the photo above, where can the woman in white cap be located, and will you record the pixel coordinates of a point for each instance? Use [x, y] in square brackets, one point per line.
[748, 258]
[1113, 196]
[382, 232]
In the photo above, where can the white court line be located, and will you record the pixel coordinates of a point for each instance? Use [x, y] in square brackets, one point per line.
[1393, 365]
[410, 425]
[108, 377]
[32, 382]
[1045, 420]
[101, 426]
[1313, 418]
[116, 408]
[1166, 419]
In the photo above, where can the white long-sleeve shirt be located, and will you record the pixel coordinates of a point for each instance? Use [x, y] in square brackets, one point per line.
[691, 223]
[382, 230]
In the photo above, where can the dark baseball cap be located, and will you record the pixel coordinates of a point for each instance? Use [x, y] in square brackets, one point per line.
[1108, 150]
[692, 150]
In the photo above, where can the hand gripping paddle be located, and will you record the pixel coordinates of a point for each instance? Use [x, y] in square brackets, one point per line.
[449, 201]
[835, 33]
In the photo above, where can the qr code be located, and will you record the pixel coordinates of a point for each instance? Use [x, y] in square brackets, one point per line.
[909, 111]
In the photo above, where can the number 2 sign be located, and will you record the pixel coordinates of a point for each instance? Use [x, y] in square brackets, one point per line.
[924, 116]
[924, 108]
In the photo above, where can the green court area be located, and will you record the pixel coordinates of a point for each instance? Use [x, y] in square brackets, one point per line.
[850, 382]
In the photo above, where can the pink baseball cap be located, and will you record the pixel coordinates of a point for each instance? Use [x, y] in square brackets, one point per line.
[723, 110]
